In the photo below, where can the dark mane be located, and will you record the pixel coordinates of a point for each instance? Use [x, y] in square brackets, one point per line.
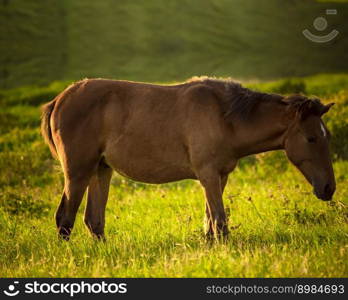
[242, 102]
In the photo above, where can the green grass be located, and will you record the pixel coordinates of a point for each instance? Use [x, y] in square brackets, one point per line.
[278, 228]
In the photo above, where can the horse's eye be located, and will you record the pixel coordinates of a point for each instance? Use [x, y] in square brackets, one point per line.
[312, 139]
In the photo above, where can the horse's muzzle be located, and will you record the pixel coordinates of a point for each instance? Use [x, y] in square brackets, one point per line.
[325, 193]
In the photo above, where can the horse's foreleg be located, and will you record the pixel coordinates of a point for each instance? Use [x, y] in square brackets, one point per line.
[98, 190]
[216, 220]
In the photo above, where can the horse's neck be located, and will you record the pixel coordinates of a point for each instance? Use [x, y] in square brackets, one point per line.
[265, 132]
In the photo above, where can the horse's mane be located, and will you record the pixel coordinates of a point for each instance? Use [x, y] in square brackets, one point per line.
[242, 102]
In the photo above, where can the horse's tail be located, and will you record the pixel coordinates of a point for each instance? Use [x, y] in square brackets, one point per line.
[46, 127]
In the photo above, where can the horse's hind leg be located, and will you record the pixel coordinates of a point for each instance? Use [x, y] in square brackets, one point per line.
[77, 173]
[71, 199]
[98, 190]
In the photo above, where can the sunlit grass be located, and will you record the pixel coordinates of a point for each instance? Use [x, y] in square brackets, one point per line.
[277, 229]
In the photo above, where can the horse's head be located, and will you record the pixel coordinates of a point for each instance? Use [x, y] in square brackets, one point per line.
[307, 144]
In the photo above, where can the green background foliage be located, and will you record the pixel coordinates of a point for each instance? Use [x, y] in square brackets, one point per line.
[156, 40]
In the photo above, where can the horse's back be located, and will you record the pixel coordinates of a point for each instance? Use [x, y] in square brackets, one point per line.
[137, 128]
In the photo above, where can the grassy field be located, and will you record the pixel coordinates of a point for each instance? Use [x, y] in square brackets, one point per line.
[278, 228]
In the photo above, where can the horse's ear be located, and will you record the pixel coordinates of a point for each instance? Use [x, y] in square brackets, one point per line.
[306, 109]
[297, 107]
[326, 108]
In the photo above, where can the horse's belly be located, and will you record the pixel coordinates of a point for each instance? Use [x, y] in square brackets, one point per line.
[149, 165]
[150, 172]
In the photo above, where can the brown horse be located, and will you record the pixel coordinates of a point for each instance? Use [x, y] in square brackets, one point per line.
[158, 134]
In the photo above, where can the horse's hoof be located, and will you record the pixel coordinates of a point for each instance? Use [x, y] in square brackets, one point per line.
[64, 234]
[220, 236]
[64, 237]
[99, 237]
